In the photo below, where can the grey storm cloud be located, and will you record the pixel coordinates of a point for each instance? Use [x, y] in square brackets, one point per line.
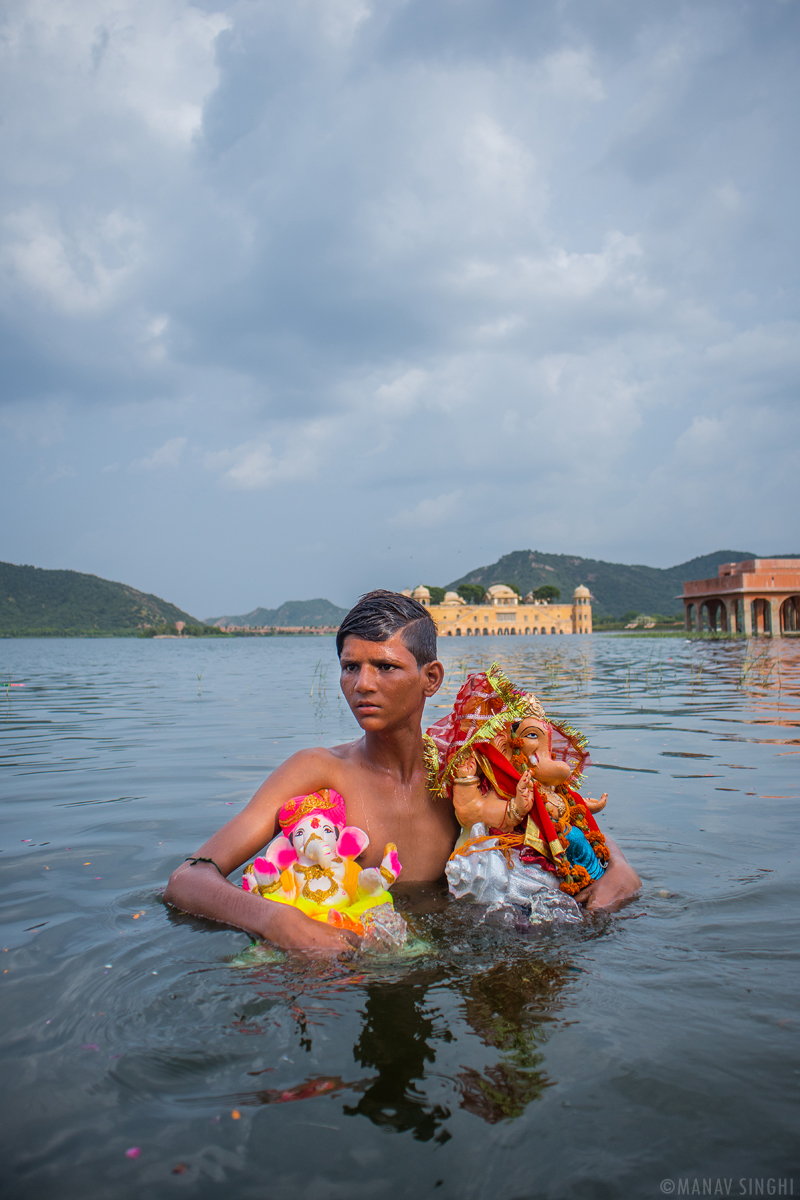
[302, 299]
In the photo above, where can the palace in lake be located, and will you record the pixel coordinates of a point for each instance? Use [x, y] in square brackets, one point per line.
[503, 612]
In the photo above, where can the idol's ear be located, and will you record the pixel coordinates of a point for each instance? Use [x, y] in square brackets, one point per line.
[280, 852]
[352, 842]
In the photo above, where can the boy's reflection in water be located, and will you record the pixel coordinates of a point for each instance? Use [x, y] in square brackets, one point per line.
[507, 1007]
[396, 1040]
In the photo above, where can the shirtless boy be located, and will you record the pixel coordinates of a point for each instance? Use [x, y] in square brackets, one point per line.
[387, 654]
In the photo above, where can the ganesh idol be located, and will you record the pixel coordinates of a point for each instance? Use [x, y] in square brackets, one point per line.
[311, 864]
[512, 775]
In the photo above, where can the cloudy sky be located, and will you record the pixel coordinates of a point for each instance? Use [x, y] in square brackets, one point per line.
[301, 298]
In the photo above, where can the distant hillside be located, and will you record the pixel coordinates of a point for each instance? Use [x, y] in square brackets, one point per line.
[615, 587]
[292, 612]
[34, 600]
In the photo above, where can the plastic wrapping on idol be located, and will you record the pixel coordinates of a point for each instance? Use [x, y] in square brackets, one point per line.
[384, 930]
[486, 878]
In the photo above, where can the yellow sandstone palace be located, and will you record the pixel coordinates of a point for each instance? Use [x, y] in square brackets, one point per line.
[502, 613]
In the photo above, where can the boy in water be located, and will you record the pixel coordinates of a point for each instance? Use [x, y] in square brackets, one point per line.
[387, 654]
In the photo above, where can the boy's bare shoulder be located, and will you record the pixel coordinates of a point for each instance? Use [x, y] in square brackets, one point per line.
[316, 757]
[345, 752]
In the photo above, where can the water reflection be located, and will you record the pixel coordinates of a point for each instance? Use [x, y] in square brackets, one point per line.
[508, 1007]
[397, 1039]
[641, 668]
[310, 1089]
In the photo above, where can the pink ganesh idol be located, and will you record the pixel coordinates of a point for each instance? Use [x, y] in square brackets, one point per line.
[311, 864]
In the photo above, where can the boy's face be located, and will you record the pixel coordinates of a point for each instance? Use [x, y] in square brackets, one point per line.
[383, 684]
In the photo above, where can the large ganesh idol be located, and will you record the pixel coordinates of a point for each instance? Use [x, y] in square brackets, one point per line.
[311, 864]
[528, 837]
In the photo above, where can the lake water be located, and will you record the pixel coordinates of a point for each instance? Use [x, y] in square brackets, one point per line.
[641, 1055]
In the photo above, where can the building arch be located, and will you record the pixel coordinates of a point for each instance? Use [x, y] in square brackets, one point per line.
[717, 615]
[790, 615]
[710, 615]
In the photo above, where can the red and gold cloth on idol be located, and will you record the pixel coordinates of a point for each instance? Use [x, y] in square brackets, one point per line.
[487, 704]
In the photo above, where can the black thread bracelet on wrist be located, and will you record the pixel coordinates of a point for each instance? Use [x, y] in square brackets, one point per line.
[195, 861]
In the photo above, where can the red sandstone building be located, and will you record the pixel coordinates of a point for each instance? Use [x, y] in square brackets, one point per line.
[758, 596]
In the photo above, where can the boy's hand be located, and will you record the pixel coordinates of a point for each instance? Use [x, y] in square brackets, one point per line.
[618, 884]
[291, 929]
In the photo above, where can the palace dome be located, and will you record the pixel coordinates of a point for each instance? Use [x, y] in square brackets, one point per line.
[581, 591]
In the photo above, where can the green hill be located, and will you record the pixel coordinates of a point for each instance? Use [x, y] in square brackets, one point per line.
[616, 587]
[36, 601]
[291, 612]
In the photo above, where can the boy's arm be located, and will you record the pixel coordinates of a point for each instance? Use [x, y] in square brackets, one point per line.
[204, 892]
[618, 884]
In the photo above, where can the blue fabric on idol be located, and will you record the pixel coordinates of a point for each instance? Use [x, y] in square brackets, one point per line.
[580, 852]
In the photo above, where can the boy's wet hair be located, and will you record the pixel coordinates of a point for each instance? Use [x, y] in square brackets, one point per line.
[380, 614]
